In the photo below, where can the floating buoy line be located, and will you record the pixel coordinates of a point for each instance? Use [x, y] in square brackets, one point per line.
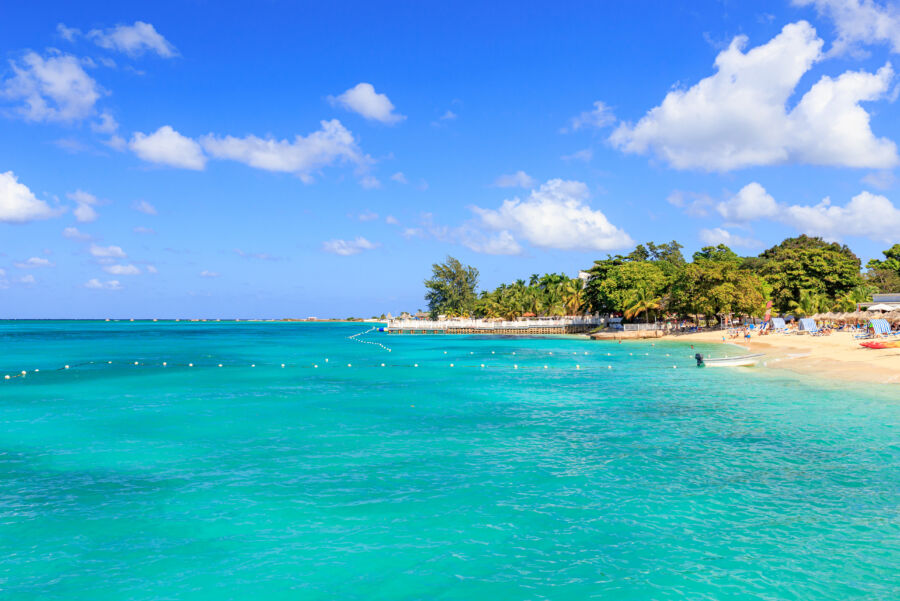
[355, 338]
[325, 363]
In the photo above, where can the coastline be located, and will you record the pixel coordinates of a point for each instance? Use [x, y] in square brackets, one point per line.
[836, 357]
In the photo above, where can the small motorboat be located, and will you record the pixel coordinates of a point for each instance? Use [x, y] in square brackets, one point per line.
[742, 361]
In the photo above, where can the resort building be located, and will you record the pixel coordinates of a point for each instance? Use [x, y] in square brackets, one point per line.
[889, 300]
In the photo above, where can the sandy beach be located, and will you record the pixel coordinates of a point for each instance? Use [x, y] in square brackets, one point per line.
[838, 356]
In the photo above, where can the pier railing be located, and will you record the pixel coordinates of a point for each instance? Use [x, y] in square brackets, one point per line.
[483, 324]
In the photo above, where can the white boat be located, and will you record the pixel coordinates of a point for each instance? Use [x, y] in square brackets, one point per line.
[742, 361]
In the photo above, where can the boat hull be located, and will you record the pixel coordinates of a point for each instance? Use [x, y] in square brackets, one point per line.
[744, 361]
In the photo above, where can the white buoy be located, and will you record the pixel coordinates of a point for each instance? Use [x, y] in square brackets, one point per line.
[110, 362]
[515, 366]
[577, 367]
[482, 365]
[282, 365]
[451, 365]
[164, 363]
[37, 370]
[190, 365]
[545, 367]
[674, 367]
[24, 372]
[445, 352]
[135, 362]
[67, 367]
[382, 365]
[220, 365]
[6, 377]
[326, 360]
[349, 365]
[609, 367]
[415, 365]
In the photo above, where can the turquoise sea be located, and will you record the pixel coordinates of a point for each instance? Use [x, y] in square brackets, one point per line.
[574, 481]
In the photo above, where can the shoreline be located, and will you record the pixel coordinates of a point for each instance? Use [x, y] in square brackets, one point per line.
[835, 357]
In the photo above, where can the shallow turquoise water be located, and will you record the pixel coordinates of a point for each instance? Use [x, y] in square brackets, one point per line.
[432, 482]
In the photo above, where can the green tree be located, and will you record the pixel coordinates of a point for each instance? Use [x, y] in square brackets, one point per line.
[807, 263]
[622, 281]
[850, 300]
[808, 302]
[640, 301]
[715, 284]
[451, 289]
[885, 274]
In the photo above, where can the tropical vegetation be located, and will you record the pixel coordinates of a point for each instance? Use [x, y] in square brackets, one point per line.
[802, 276]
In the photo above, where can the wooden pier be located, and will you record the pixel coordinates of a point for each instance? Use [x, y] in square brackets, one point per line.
[566, 325]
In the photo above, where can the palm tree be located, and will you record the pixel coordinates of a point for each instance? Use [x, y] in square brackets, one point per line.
[640, 301]
[850, 300]
[808, 303]
[572, 292]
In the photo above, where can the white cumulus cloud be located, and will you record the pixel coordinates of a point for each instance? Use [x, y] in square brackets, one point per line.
[348, 247]
[34, 262]
[364, 100]
[133, 40]
[122, 269]
[96, 284]
[600, 116]
[84, 205]
[860, 22]
[18, 204]
[866, 215]
[557, 215]
[716, 236]
[55, 88]
[142, 206]
[166, 146]
[751, 203]
[519, 179]
[107, 252]
[489, 243]
[738, 117]
[74, 234]
[208, 274]
[326, 146]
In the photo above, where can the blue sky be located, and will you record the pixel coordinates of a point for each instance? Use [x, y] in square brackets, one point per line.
[199, 159]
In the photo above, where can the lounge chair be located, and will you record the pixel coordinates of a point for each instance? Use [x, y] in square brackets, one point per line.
[808, 325]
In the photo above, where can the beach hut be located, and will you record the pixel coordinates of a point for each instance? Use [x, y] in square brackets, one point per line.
[808, 324]
[879, 327]
[777, 323]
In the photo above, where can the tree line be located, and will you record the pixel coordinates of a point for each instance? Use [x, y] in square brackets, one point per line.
[801, 275]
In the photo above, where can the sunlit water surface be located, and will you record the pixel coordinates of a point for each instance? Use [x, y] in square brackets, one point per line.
[124, 481]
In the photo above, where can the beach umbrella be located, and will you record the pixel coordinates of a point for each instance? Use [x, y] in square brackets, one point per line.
[881, 307]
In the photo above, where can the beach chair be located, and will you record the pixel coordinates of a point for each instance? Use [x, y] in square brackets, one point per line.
[808, 325]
